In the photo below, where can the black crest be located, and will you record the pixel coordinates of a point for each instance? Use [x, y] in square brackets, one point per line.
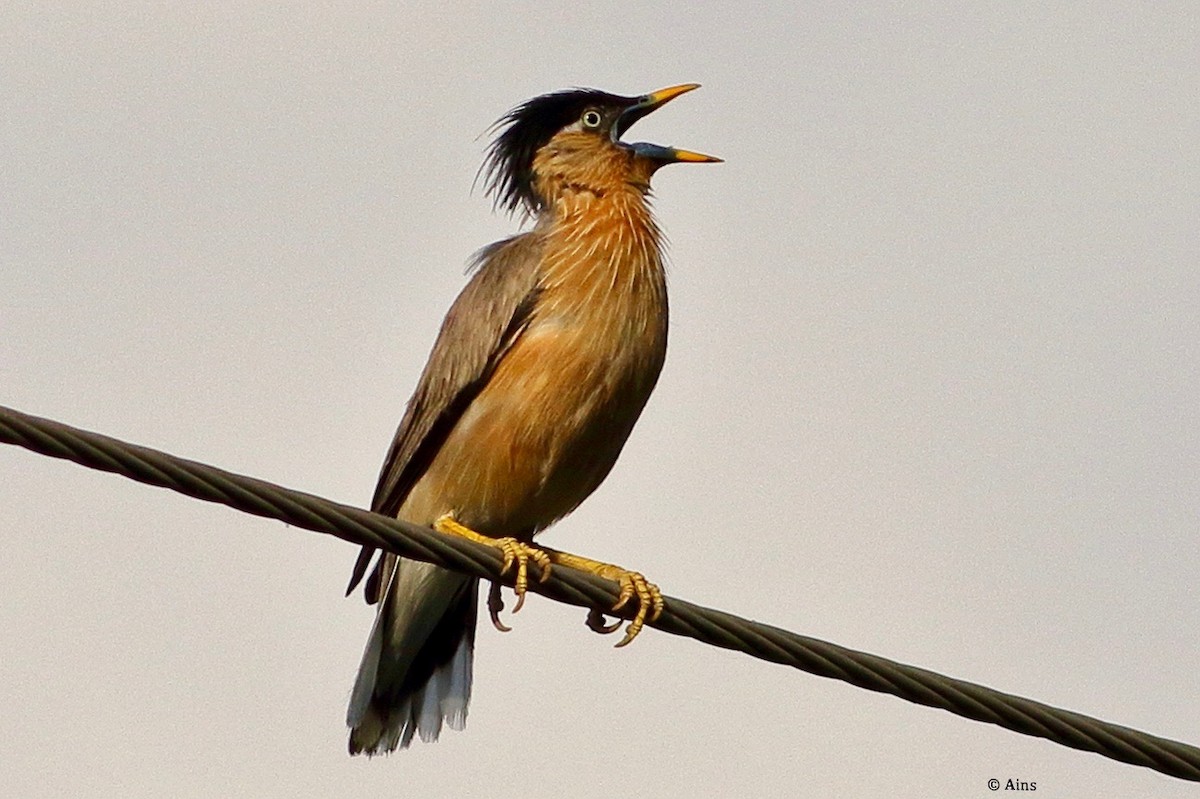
[508, 167]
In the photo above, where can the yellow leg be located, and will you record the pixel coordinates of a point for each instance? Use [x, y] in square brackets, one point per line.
[650, 599]
[514, 551]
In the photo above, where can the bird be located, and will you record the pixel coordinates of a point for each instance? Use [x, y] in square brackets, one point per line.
[539, 372]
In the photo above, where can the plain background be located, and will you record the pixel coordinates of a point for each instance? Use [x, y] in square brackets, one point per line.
[931, 390]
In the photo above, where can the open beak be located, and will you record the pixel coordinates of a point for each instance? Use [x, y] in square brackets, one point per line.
[652, 102]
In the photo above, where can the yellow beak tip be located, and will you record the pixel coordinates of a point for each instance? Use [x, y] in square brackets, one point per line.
[697, 158]
[670, 93]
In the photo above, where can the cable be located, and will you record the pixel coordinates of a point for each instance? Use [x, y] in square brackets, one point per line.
[679, 617]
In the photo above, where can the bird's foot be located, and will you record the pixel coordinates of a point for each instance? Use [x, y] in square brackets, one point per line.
[650, 599]
[513, 552]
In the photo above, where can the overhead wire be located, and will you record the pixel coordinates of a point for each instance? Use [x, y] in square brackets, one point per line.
[680, 617]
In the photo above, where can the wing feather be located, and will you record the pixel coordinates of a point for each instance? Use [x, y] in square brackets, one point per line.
[482, 325]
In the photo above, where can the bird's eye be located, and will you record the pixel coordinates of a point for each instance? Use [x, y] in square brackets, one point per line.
[591, 118]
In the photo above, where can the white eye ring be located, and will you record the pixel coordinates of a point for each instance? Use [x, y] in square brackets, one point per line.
[591, 118]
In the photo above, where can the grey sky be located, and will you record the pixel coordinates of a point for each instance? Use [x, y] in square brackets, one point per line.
[931, 389]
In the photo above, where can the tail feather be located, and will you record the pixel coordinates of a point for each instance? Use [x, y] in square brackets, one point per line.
[415, 675]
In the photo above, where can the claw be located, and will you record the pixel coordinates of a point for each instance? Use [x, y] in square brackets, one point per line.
[512, 551]
[595, 622]
[650, 599]
[495, 604]
[520, 553]
[650, 603]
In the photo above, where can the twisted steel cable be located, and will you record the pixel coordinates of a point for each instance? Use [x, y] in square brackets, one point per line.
[679, 617]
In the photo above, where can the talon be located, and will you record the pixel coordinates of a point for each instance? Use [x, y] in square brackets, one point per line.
[495, 605]
[511, 551]
[521, 553]
[543, 561]
[595, 622]
[626, 592]
[507, 553]
[650, 603]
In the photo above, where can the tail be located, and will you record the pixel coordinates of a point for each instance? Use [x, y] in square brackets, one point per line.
[416, 670]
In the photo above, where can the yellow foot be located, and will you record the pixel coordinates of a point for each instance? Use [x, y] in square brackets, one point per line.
[514, 551]
[650, 599]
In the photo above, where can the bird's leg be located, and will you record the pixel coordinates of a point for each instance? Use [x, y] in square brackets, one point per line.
[514, 551]
[650, 599]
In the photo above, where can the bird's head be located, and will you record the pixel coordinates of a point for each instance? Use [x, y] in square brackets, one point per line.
[573, 138]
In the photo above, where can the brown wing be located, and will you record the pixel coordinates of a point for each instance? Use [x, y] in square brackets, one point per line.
[483, 323]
